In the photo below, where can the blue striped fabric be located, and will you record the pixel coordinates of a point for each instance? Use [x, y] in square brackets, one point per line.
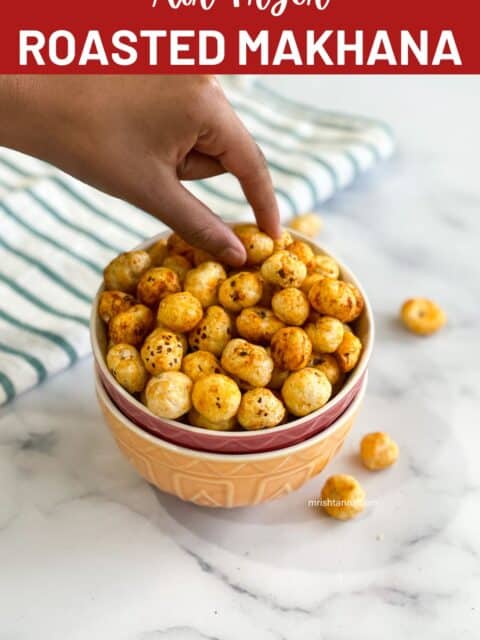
[56, 234]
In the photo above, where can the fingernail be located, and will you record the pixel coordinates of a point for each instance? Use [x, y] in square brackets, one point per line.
[235, 257]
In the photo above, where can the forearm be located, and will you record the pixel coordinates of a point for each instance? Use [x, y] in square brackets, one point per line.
[30, 117]
[10, 110]
[21, 114]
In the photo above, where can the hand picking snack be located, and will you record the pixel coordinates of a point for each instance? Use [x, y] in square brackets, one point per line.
[230, 349]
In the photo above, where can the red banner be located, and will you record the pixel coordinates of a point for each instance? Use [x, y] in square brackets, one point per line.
[240, 36]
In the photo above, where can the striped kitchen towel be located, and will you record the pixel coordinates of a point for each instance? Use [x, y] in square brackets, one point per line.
[56, 233]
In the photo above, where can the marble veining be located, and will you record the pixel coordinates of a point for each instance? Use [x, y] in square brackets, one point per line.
[88, 550]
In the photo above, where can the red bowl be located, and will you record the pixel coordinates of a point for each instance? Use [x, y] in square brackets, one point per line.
[230, 441]
[200, 439]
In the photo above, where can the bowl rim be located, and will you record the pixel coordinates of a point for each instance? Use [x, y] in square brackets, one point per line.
[353, 379]
[350, 411]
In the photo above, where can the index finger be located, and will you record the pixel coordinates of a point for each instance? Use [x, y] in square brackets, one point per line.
[237, 151]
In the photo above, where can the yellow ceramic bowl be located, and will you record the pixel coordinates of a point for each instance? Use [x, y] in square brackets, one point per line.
[221, 480]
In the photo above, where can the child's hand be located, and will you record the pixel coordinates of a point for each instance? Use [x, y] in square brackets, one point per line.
[136, 137]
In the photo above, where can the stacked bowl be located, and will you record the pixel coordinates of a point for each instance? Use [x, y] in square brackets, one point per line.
[230, 468]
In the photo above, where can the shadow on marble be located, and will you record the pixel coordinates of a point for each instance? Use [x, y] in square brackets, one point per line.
[407, 504]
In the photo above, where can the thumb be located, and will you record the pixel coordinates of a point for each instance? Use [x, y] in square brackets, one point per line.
[197, 224]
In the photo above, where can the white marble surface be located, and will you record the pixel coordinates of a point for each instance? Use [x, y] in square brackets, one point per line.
[88, 550]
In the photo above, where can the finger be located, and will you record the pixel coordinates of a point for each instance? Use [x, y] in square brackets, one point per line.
[196, 223]
[230, 142]
[197, 166]
[246, 161]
